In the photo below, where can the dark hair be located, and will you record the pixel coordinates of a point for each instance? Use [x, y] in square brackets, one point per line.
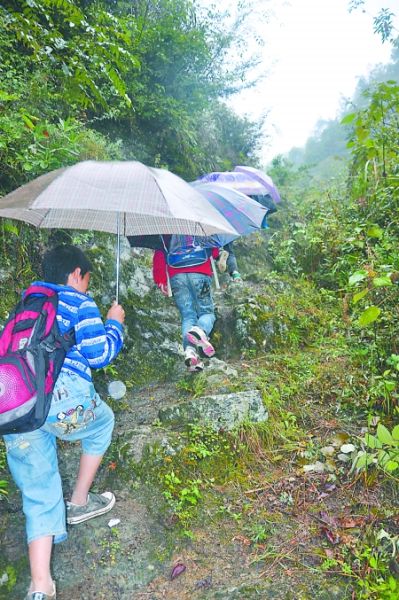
[59, 262]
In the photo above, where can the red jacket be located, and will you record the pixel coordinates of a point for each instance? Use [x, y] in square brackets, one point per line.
[160, 268]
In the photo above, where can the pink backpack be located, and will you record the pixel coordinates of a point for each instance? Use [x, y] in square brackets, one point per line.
[32, 352]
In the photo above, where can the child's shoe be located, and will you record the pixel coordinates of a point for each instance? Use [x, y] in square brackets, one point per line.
[197, 368]
[96, 505]
[191, 358]
[198, 337]
[236, 277]
[223, 256]
[41, 595]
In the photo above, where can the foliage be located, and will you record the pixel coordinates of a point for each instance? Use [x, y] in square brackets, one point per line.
[148, 77]
[325, 151]
[345, 237]
[183, 472]
[380, 450]
[294, 317]
[3, 463]
[383, 21]
[83, 55]
[368, 565]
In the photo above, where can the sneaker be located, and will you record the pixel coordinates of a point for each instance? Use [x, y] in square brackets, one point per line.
[97, 504]
[198, 337]
[192, 360]
[223, 256]
[196, 368]
[41, 595]
[236, 277]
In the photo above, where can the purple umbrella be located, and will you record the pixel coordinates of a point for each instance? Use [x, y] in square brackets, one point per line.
[237, 181]
[260, 177]
[244, 214]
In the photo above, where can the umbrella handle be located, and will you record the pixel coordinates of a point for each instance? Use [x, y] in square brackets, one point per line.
[169, 287]
[118, 255]
[215, 274]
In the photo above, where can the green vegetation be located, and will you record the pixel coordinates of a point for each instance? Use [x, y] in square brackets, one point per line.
[312, 493]
[105, 80]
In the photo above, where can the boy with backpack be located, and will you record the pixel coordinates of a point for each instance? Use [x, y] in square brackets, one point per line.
[188, 268]
[76, 413]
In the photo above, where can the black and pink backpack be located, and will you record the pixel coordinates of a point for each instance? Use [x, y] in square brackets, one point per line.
[32, 352]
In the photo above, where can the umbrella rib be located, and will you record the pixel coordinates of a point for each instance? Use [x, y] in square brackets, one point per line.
[203, 230]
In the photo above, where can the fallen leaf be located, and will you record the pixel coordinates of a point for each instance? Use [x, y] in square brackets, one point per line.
[205, 583]
[317, 467]
[339, 439]
[177, 570]
[242, 539]
[347, 448]
[344, 457]
[329, 487]
[330, 535]
[328, 520]
[327, 450]
[349, 522]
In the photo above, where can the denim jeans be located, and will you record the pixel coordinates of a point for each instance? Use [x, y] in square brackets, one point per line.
[192, 295]
[77, 413]
[231, 259]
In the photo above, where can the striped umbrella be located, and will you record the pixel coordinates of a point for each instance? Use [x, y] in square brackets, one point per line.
[244, 215]
[260, 177]
[122, 197]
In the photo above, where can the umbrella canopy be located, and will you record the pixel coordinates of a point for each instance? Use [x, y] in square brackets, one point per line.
[237, 181]
[122, 197]
[260, 177]
[244, 214]
[90, 194]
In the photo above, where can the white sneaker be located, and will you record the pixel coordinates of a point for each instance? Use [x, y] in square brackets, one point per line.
[192, 360]
[222, 262]
[198, 337]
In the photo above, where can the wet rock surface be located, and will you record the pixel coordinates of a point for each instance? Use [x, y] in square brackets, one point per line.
[222, 411]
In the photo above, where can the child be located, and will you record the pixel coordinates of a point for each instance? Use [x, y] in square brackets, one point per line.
[191, 290]
[76, 413]
[227, 259]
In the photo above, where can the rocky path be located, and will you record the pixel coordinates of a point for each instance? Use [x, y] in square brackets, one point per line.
[271, 529]
[134, 559]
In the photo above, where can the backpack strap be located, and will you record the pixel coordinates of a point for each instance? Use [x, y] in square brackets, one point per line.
[67, 341]
[39, 290]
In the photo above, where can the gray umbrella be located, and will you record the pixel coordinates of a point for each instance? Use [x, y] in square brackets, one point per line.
[122, 197]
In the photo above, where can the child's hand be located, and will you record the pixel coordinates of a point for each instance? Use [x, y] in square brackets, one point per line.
[116, 312]
[164, 289]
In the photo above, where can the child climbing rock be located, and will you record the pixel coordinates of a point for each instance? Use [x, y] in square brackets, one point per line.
[190, 281]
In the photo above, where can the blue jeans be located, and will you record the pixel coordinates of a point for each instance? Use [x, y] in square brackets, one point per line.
[231, 259]
[77, 413]
[192, 295]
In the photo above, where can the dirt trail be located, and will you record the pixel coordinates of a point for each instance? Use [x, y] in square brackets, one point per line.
[134, 560]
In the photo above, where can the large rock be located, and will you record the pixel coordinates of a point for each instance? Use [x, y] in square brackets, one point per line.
[222, 411]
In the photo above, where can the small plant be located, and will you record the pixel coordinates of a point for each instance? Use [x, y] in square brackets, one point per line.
[194, 384]
[258, 532]
[3, 482]
[380, 450]
[8, 578]
[111, 547]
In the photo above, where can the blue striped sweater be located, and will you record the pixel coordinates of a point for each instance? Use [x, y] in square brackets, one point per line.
[97, 343]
